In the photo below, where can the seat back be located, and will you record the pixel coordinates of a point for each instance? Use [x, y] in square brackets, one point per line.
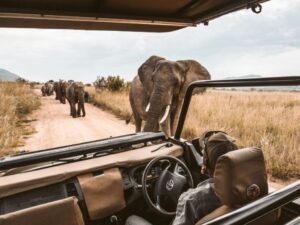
[240, 177]
[61, 212]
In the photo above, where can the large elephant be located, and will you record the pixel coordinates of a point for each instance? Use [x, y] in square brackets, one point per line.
[140, 91]
[75, 95]
[164, 85]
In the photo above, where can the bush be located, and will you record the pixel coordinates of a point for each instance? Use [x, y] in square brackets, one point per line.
[115, 83]
[21, 80]
[112, 83]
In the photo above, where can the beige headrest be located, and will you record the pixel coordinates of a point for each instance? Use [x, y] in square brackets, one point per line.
[240, 177]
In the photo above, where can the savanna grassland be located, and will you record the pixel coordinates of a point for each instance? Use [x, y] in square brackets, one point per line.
[17, 100]
[270, 120]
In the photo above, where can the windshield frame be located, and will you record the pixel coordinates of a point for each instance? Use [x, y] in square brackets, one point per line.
[257, 82]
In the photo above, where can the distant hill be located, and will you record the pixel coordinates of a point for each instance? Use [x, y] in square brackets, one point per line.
[6, 75]
[274, 88]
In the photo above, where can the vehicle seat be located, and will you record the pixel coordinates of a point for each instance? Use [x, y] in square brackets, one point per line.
[62, 212]
[240, 177]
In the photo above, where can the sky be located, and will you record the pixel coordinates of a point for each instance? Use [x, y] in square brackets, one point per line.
[237, 44]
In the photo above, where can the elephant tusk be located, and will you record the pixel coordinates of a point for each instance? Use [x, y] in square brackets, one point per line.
[148, 107]
[165, 115]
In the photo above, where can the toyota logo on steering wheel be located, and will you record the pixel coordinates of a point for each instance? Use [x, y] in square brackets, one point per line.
[170, 185]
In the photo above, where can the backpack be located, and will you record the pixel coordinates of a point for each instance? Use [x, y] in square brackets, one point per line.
[214, 144]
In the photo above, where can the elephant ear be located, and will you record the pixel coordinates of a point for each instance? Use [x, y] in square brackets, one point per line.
[145, 72]
[192, 71]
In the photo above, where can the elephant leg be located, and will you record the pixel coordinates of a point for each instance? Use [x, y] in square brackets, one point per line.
[138, 124]
[78, 109]
[137, 120]
[136, 116]
[63, 100]
[74, 110]
[175, 118]
[83, 110]
[70, 108]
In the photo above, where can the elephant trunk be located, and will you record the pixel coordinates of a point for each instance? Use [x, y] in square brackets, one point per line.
[158, 113]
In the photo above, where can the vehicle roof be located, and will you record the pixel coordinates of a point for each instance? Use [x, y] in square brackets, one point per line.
[129, 15]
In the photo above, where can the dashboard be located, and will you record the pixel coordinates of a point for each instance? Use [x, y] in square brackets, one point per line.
[131, 180]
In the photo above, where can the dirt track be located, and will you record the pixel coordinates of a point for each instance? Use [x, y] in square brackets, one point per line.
[54, 127]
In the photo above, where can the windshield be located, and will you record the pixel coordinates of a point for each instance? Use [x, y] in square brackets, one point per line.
[65, 87]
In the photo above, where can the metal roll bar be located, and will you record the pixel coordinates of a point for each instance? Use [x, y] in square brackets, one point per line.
[258, 82]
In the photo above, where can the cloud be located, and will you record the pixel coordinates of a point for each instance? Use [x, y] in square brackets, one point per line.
[237, 44]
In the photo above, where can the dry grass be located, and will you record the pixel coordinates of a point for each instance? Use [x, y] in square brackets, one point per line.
[17, 101]
[115, 102]
[267, 119]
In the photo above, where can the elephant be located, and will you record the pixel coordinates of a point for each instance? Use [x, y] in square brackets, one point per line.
[75, 95]
[50, 89]
[55, 88]
[139, 94]
[63, 91]
[60, 88]
[44, 90]
[163, 84]
[47, 89]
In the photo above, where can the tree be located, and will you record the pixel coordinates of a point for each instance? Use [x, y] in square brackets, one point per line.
[100, 82]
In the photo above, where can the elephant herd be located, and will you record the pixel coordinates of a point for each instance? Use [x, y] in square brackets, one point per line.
[72, 91]
[157, 92]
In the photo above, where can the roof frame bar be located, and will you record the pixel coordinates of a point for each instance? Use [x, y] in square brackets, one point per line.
[98, 19]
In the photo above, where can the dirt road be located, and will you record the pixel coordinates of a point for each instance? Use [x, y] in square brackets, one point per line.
[54, 127]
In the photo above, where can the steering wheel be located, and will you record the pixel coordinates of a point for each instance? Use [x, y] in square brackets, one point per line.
[169, 185]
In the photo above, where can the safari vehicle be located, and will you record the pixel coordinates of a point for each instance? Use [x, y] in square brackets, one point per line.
[106, 181]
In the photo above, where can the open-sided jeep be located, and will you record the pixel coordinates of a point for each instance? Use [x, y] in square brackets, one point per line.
[106, 181]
